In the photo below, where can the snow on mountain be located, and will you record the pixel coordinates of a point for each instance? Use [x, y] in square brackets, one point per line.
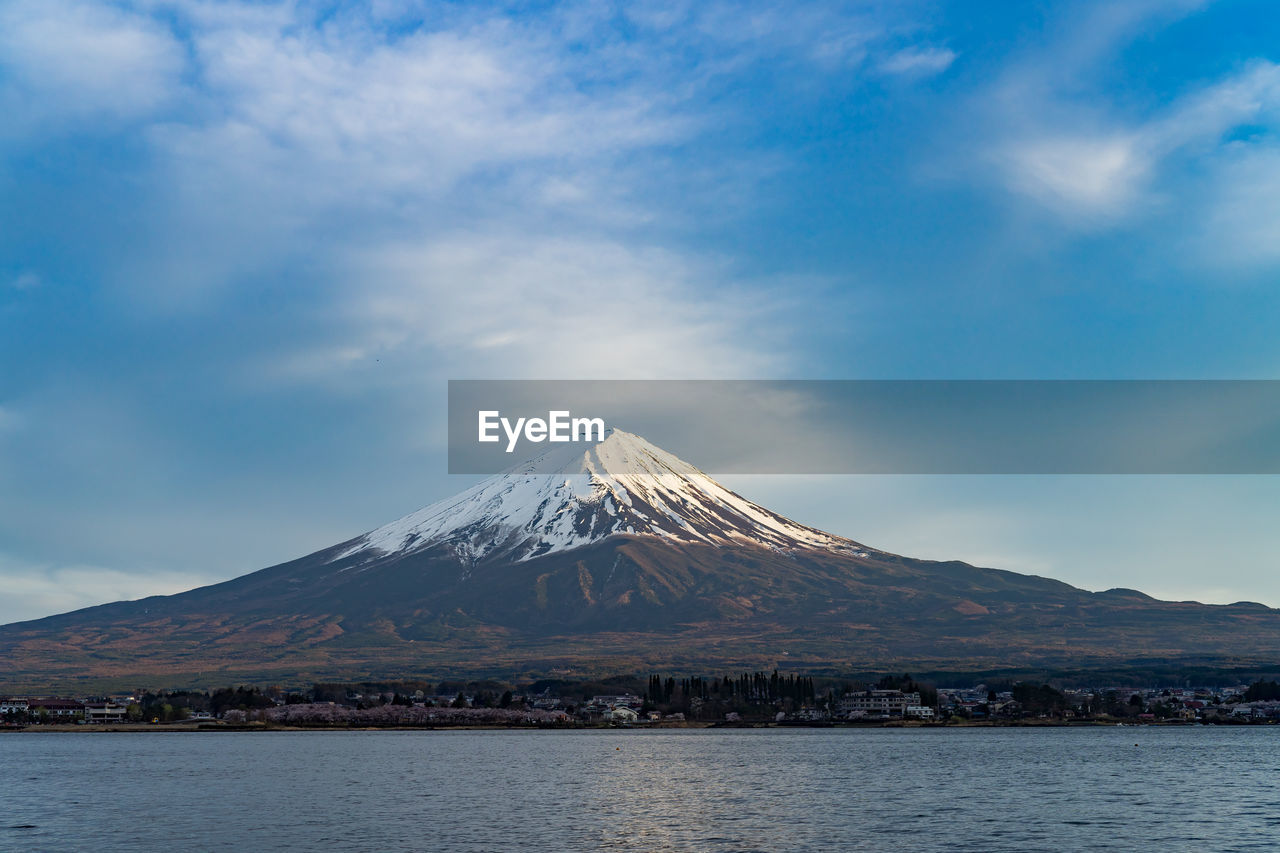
[622, 485]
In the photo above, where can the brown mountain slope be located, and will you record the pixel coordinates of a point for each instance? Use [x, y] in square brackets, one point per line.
[626, 603]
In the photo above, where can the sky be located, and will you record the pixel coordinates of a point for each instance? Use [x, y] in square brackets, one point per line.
[244, 245]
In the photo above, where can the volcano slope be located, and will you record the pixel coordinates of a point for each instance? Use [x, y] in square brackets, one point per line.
[627, 560]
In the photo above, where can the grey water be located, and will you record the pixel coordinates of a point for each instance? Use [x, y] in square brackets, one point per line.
[699, 790]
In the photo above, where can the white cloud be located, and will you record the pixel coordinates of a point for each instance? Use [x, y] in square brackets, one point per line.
[1062, 134]
[345, 131]
[526, 305]
[73, 60]
[1241, 228]
[25, 280]
[457, 163]
[1199, 119]
[1083, 174]
[918, 61]
[734, 34]
[415, 115]
[31, 591]
[9, 419]
[1079, 157]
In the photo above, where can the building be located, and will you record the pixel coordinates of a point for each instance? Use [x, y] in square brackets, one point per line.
[920, 712]
[621, 714]
[56, 709]
[13, 706]
[602, 707]
[104, 712]
[877, 703]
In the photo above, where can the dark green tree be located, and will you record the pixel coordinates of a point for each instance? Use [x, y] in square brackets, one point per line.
[1262, 691]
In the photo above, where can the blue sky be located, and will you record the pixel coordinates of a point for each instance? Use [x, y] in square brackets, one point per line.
[243, 245]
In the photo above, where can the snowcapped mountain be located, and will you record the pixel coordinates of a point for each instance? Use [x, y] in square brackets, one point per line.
[623, 484]
[628, 560]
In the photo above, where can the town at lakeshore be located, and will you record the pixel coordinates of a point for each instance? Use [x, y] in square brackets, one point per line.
[756, 699]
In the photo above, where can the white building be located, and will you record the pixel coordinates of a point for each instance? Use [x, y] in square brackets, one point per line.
[621, 714]
[626, 700]
[104, 712]
[878, 703]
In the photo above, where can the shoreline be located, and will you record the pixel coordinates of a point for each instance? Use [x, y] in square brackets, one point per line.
[205, 726]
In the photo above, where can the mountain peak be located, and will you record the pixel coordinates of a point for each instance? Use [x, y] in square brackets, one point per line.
[622, 485]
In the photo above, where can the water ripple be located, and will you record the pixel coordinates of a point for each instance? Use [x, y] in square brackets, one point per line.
[684, 790]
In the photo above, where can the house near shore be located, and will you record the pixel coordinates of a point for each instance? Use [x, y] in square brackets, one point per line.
[104, 712]
[877, 703]
[62, 710]
[604, 707]
[621, 714]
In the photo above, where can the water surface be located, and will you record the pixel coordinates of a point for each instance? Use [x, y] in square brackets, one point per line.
[705, 790]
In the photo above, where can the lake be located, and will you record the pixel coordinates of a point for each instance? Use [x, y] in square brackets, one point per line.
[698, 790]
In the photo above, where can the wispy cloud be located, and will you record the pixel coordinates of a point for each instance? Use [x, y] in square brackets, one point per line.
[918, 61]
[416, 114]
[9, 419]
[1188, 158]
[25, 280]
[75, 61]
[1077, 175]
[1055, 133]
[1241, 228]
[32, 590]
[463, 300]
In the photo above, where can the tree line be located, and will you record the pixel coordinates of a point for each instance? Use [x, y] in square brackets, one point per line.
[754, 687]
